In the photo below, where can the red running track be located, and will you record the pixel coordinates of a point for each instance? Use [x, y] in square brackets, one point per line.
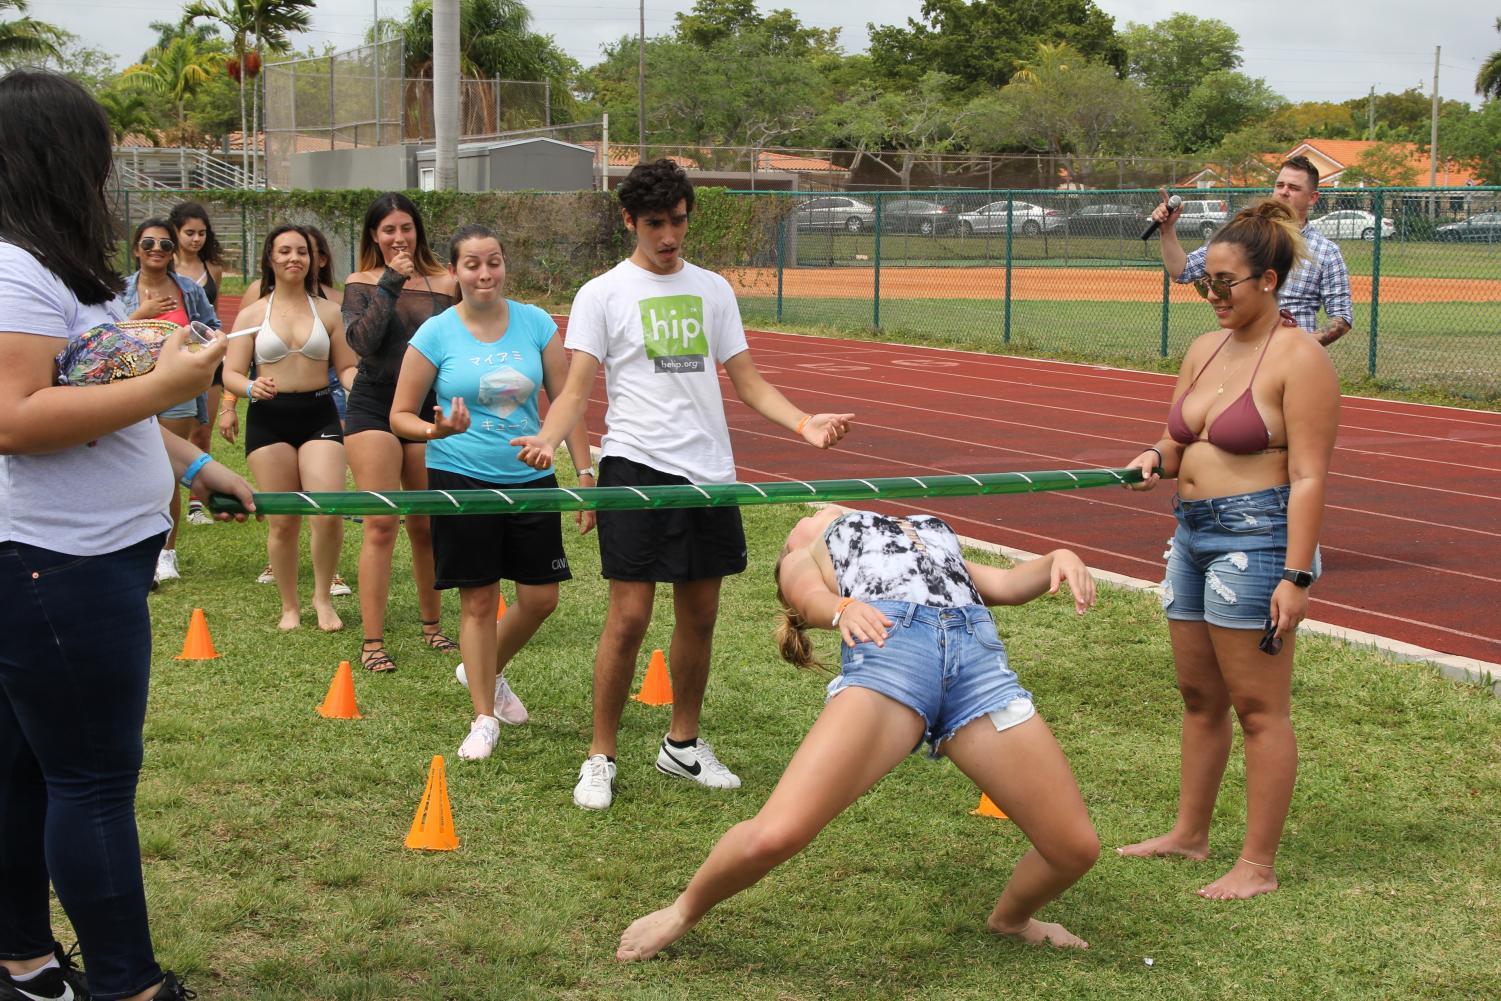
[1412, 531]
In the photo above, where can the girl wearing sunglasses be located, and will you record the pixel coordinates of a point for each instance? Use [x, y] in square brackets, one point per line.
[1249, 438]
[157, 292]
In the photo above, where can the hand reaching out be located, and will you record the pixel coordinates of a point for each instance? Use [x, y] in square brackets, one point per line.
[825, 430]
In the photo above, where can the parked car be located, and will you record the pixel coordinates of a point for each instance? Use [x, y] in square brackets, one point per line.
[1351, 224]
[1202, 217]
[913, 215]
[835, 212]
[1105, 220]
[1482, 228]
[1026, 218]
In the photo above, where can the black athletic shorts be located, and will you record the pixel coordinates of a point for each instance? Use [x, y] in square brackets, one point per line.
[368, 407]
[473, 550]
[293, 418]
[670, 545]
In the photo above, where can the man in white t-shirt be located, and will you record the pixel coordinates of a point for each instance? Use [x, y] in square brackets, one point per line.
[662, 328]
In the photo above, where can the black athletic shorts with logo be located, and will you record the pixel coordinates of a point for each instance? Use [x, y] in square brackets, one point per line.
[367, 407]
[669, 545]
[474, 550]
[293, 419]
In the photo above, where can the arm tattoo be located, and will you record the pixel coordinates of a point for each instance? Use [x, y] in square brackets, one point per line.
[1333, 331]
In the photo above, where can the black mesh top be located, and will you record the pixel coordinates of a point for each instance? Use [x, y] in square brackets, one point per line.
[380, 319]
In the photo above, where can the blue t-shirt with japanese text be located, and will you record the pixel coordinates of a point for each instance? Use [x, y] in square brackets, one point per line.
[498, 381]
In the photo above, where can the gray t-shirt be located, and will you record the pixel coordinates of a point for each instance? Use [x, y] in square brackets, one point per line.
[94, 498]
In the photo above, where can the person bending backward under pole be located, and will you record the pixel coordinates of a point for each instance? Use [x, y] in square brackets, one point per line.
[920, 660]
[1321, 279]
[1249, 437]
[660, 326]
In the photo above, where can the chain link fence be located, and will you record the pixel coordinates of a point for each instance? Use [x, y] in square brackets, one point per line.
[1066, 274]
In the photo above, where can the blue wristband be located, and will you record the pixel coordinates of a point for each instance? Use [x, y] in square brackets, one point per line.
[193, 468]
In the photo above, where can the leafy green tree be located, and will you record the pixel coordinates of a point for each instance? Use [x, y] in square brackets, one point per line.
[1175, 54]
[129, 113]
[980, 43]
[26, 40]
[177, 71]
[1242, 156]
[1384, 164]
[1403, 117]
[1473, 138]
[1222, 102]
[1312, 119]
[91, 66]
[1488, 80]
[895, 129]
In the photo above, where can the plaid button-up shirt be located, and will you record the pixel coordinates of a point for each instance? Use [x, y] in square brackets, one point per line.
[1323, 280]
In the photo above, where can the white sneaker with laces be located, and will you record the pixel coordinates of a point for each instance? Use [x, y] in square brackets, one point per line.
[339, 588]
[596, 780]
[268, 576]
[166, 566]
[697, 763]
[483, 734]
[508, 708]
[198, 516]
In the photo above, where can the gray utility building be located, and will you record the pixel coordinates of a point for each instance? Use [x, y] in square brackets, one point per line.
[534, 164]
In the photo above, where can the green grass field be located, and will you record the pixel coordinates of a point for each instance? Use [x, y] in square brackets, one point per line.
[273, 838]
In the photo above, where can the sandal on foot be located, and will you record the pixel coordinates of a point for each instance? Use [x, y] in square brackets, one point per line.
[436, 639]
[374, 658]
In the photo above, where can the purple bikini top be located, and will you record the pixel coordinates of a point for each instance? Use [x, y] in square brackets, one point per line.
[1239, 428]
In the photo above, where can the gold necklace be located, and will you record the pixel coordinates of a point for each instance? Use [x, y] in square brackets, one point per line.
[1226, 372]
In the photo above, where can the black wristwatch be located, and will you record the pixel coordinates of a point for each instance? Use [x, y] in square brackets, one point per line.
[1300, 578]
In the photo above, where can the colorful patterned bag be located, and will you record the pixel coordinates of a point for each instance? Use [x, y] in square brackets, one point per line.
[112, 351]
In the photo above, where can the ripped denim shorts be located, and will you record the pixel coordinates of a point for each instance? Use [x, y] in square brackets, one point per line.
[945, 664]
[1226, 558]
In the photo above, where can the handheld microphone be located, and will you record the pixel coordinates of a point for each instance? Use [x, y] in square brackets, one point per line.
[1173, 202]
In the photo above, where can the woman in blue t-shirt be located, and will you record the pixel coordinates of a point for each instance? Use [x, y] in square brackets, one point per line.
[488, 356]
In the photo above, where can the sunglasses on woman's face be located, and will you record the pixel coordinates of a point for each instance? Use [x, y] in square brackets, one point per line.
[149, 243]
[1219, 286]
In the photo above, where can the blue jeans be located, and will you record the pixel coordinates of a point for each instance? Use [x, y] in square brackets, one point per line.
[75, 660]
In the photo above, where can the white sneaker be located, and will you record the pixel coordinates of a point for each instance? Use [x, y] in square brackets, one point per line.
[338, 588]
[198, 516]
[267, 576]
[508, 708]
[166, 566]
[483, 733]
[596, 780]
[697, 763]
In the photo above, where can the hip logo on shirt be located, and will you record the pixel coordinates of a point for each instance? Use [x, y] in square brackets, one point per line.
[673, 327]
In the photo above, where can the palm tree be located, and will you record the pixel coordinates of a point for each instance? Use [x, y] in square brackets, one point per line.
[1488, 82]
[26, 39]
[253, 27]
[177, 71]
[129, 113]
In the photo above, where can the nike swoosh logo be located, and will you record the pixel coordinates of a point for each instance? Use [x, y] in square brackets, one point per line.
[66, 995]
[328, 436]
[692, 769]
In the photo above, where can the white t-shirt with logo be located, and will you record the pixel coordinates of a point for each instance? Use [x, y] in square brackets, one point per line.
[661, 339]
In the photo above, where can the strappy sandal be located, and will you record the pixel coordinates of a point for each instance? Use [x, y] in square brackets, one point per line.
[435, 639]
[374, 658]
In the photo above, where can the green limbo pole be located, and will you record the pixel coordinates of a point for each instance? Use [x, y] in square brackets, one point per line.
[439, 502]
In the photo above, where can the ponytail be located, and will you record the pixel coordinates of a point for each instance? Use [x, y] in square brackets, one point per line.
[1267, 232]
[793, 641]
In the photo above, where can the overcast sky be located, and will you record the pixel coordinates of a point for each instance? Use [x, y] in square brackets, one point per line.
[1335, 53]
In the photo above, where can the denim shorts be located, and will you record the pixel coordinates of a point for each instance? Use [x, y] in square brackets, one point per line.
[187, 408]
[1226, 558]
[945, 664]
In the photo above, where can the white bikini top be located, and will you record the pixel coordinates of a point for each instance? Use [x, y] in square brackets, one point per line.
[270, 348]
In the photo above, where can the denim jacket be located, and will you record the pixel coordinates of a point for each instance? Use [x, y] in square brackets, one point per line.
[194, 299]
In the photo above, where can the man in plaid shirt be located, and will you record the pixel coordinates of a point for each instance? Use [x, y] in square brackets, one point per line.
[1322, 280]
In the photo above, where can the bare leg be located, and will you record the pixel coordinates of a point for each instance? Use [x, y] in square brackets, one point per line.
[275, 469]
[1261, 689]
[1024, 771]
[533, 604]
[859, 737]
[420, 535]
[321, 467]
[477, 642]
[1205, 746]
[695, 608]
[375, 460]
[626, 619]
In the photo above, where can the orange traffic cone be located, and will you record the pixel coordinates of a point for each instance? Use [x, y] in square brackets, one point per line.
[198, 645]
[987, 808]
[432, 828]
[656, 689]
[500, 610]
[339, 702]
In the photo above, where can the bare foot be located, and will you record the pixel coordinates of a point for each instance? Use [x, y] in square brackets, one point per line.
[1036, 932]
[650, 935]
[1242, 882]
[290, 620]
[328, 619]
[1167, 844]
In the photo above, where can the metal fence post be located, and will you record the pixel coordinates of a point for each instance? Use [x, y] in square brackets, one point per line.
[876, 290]
[244, 247]
[1166, 290]
[781, 261]
[1010, 220]
[1375, 285]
